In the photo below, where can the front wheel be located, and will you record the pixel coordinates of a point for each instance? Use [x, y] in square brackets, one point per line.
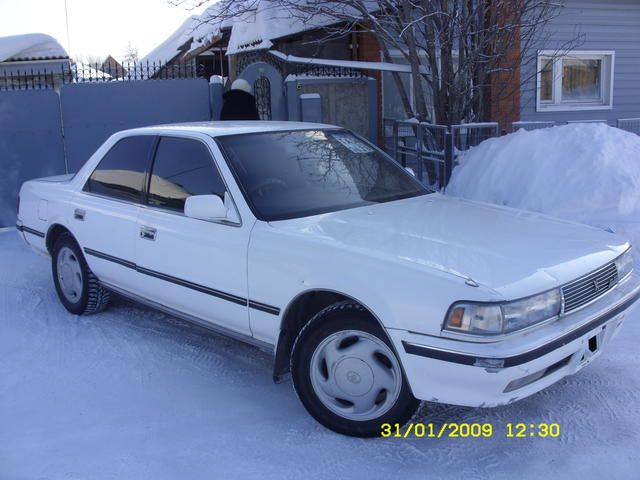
[347, 375]
[78, 288]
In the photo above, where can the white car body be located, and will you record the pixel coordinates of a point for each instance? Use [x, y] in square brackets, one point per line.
[405, 261]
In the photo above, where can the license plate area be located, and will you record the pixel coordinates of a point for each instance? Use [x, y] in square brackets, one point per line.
[592, 348]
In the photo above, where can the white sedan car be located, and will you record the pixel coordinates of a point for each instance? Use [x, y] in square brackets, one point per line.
[309, 242]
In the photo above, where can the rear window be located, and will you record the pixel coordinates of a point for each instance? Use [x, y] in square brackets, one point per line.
[121, 172]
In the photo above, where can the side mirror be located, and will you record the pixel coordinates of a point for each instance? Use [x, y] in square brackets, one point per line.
[205, 207]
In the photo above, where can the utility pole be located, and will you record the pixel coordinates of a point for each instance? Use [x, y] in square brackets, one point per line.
[66, 20]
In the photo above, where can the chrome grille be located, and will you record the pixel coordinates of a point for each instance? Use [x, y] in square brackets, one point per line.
[588, 288]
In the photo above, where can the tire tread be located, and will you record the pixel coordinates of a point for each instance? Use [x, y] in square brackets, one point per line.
[96, 298]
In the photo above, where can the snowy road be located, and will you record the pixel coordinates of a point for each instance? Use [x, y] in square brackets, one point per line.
[133, 394]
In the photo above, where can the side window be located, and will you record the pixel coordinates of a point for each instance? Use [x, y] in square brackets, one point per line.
[182, 168]
[121, 172]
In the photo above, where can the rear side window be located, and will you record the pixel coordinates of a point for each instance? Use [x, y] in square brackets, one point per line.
[182, 168]
[121, 172]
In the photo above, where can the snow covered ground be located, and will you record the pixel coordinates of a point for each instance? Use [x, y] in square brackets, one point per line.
[131, 393]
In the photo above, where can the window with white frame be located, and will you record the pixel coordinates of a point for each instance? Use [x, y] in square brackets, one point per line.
[576, 80]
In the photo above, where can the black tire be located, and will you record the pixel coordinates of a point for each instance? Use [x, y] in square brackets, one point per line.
[335, 318]
[94, 297]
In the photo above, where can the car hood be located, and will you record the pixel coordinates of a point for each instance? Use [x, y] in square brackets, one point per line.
[512, 252]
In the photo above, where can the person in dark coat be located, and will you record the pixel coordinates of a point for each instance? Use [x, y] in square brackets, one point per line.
[238, 103]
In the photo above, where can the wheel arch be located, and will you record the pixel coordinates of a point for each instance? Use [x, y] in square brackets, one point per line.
[298, 313]
[53, 233]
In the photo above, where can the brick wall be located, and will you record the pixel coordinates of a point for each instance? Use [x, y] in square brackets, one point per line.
[502, 102]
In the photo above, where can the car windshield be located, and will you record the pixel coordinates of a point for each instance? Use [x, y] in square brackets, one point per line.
[306, 172]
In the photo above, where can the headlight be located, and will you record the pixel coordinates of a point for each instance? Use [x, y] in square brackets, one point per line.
[526, 312]
[624, 264]
[499, 318]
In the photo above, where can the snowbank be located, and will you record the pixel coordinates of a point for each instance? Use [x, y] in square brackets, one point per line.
[30, 46]
[589, 173]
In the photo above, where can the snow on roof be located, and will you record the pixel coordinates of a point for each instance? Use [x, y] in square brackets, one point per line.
[254, 25]
[175, 44]
[268, 22]
[84, 72]
[271, 20]
[32, 46]
[195, 32]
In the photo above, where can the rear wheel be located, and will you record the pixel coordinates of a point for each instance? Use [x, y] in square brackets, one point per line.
[347, 375]
[78, 288]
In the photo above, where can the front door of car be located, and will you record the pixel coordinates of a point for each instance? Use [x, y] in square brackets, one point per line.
[105, 213]
[197, 267]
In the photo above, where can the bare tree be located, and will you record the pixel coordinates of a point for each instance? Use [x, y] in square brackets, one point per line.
[130, 55]
[459, 51]
[88, 59]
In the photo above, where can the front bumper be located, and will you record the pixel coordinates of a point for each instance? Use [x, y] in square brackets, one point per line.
[491, 374]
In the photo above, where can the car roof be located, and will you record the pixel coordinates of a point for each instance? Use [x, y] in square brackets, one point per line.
[216, 129]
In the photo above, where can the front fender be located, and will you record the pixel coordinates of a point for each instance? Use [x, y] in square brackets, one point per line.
[401, 295]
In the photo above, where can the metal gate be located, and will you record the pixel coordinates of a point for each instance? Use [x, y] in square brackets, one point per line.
[262, 91]
[273, 101]
[431, 150]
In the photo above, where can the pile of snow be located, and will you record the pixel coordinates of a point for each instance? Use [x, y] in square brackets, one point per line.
[589, 173]
[30, 46]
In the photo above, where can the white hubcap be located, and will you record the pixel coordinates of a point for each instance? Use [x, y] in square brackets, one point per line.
[355, 375]
[69, 274]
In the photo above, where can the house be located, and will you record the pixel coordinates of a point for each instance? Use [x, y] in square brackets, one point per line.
[196, 46]
[34, 60]
[270, 48]
[589, 66]
[112, 67]
[596, 78]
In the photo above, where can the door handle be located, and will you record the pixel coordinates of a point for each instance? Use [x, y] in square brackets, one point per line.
[148, 233]
[79, 214]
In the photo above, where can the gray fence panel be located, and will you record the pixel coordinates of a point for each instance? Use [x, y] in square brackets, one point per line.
[91, 112]
[535, 125]
[30, 143]
[216, 91]
[349, 102]
[630, 125]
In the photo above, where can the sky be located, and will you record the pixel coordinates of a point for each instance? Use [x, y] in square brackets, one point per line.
[97, 28]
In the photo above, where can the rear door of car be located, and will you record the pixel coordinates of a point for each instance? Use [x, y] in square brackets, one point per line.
[104, 220]
[197, 267]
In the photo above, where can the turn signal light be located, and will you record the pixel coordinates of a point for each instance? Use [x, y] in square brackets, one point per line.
[455, 320]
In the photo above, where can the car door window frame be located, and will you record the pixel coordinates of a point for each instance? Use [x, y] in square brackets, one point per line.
[143, 194]
[212, 158]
